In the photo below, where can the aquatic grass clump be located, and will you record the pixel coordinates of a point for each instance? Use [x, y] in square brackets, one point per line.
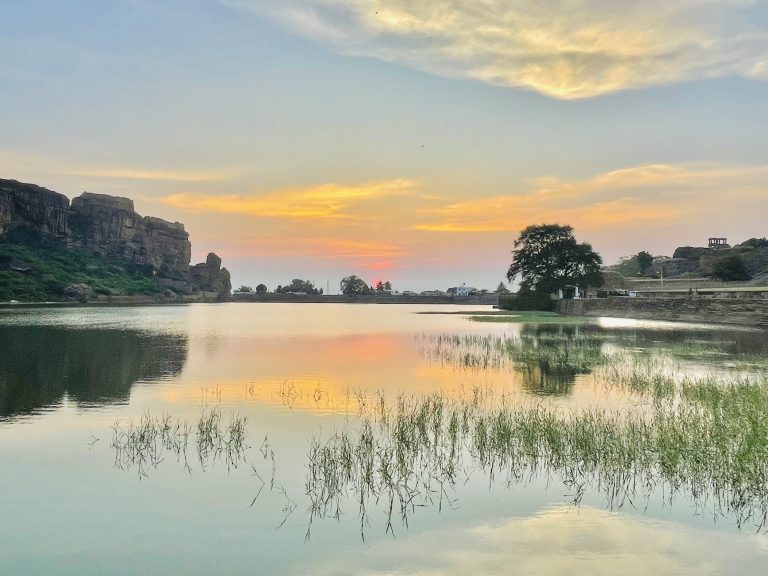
[703, 438]
[144, 444]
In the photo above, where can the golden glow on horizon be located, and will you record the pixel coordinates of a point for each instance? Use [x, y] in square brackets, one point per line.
[558, 48]
[392, 225]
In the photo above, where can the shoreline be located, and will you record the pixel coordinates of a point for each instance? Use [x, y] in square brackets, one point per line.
[745, 312]
[489, 300]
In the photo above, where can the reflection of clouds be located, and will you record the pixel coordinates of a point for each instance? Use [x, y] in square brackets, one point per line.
[564, 48]
[562, 540]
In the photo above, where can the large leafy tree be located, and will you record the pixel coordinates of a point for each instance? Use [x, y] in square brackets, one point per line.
[547, 258]
[354, 285]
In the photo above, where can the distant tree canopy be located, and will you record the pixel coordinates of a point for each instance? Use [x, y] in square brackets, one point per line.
[261, 289]
[245, 289]
[636, 265]
[299, 286]
[383, 286]
[731, 268]
[547, 258]
[645, 260]
[351, 285]
[501, 289]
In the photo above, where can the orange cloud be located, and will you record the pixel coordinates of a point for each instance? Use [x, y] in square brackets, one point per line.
[326, 201]
[652, 194]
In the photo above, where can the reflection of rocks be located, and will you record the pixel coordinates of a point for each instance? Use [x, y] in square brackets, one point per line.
[38, 365]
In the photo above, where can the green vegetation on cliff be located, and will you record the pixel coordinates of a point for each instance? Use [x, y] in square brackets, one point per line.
[41, 272]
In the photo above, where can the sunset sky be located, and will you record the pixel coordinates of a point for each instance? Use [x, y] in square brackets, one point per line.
[404, 140]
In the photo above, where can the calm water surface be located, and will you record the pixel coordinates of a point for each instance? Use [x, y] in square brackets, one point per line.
[72, 380]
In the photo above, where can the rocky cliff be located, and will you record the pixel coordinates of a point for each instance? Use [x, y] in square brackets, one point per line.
[109, 227]
[29, 208]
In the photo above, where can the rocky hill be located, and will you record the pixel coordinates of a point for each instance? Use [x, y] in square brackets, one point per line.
[45, 240]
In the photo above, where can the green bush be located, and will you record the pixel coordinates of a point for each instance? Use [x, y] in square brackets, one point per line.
[526, 300]
[731, 268]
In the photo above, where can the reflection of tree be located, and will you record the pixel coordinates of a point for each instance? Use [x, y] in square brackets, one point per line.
[550, 357]
[38, 365]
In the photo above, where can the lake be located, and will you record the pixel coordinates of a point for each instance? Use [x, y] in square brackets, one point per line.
[359, 439]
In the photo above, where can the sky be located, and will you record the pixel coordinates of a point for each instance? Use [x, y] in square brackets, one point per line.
[401, 140]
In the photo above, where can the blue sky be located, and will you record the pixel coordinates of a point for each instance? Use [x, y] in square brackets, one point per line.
[403, 140]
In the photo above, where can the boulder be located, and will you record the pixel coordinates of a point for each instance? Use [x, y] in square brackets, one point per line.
[78, 293]
[211, 277]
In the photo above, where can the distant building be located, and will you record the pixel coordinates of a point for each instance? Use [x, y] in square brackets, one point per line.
[716, 243]
[432, 293]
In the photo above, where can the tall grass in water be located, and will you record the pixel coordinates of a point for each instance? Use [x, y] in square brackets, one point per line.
[704, 439]
[143, 444]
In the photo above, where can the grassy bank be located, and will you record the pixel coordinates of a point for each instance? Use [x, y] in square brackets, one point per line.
[49, 269]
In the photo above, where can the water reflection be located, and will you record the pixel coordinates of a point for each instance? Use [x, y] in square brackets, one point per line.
[39, 365]
[560, 540]
[549, 358]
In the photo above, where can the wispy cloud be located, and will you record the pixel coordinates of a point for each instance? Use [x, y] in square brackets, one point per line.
[644, 195]
[25, 162]
[326, 201]
[158, 175]
[562, 48]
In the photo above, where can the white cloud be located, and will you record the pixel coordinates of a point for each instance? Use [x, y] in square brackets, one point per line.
[562, 48]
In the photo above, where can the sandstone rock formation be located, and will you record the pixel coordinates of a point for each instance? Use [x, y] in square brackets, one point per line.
[210, 276]
[29, 208]
[109, 226]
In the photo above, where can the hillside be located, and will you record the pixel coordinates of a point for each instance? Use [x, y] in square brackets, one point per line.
[94, 248]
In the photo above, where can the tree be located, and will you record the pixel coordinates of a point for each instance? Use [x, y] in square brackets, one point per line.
[547, 258]
[383, 286]
[731, 268]
[245, 289]
[351, 285]
[644, 260]
[388, 286]
[261, 289]
[298, 286]
[502, 289]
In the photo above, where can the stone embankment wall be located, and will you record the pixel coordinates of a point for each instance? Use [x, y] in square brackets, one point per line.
[751, 311]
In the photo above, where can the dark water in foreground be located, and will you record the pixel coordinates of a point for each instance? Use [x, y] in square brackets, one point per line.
[105, 468]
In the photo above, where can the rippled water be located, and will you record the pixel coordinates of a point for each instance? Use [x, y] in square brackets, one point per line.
[75, 383]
